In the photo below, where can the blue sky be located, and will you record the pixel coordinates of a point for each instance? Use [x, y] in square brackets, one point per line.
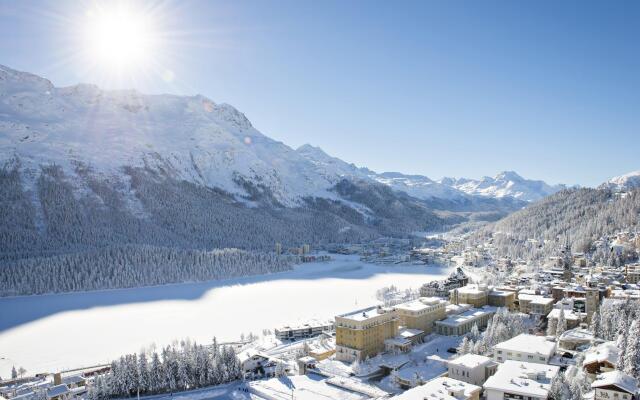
[441, 88]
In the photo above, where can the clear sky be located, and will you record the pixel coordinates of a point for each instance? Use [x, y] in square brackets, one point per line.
[550, 89]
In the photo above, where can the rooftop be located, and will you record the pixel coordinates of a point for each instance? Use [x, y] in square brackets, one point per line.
[473, 289]
[606, 351]
[441, 389]
[300, 387]
[529, 344]
[423, 303]
[470, 360]
[523, 378]
[57, 390]
[618, 379]
[365, 313]
[568, 314]
[467, 316]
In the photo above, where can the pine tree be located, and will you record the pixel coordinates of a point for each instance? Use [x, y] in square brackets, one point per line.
[465, 346]
[595, 327]
[562, 324]
[14, 373]
[632, 354]
[156, 374]
[143, 373]
[475, 332]
[552, 327]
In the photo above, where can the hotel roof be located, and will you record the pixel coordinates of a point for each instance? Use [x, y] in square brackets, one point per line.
[365, 313]
[471, 315]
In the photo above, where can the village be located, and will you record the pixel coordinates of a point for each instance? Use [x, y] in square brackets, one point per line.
[493, 329]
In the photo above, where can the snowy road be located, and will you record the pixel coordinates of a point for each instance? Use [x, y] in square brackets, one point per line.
[46, 333]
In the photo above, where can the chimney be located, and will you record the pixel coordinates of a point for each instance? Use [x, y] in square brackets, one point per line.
[57, 378]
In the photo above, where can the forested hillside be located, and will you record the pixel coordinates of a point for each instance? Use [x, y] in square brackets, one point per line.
[580, 216]
[131, 266]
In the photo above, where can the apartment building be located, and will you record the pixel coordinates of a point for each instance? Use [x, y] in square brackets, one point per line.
[422, 313]
[529, 348]
[471, 368]
[303, 331]
[534, 304]
[362, 333]
[502, 298]
[442, 388]
[632, 273]
[476, 295]
[520, 380]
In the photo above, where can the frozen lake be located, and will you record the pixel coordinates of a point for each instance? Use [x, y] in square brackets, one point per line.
[52, 332]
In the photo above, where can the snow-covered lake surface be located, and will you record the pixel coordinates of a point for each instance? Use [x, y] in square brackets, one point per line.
[52, 332]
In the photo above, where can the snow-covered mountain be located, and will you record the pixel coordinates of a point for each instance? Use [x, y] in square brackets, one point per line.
[504, 184]
[190, 138]
[82, 168]
[624, 182]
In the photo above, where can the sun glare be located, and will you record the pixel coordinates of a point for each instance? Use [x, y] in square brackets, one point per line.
[120, 39]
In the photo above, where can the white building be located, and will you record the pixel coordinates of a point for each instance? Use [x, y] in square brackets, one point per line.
[520, 380]
[462, 323]
[615, 385]
[302, 331]
[528, 348]
[442, 389]
[471, 368]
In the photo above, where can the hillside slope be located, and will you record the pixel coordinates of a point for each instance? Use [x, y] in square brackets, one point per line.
[581, 216]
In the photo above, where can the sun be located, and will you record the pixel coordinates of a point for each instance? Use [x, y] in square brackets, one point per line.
[120, 38]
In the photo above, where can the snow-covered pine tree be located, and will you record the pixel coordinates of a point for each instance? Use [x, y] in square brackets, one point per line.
[465, 346]
[552, 326]
[562, 324]
[632, 353]
[143, 373]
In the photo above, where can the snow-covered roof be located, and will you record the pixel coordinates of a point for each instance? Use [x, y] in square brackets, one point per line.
[442, 389]
[409, 332]
[473, 289]
[618, 379]
[473, 314]
[568, 315]
[300, 387]
[606, 351]
[365, 313]
[397, 341]
[501, 293]
[57, 390]
[530, 344]
[423, 303]
[73, 379]
[470, 361]
[522, 378]
[577, 335]
[305, 325]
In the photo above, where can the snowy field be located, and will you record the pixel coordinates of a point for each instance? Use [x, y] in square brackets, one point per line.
[52, 332]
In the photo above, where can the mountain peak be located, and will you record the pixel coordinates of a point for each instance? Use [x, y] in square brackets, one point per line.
[624, 182]
[14, 80]
[311, 149]
[508, 176]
